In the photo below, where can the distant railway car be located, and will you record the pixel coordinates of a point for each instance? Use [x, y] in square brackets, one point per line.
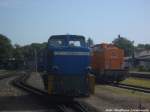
[107, 61]
[67, 66]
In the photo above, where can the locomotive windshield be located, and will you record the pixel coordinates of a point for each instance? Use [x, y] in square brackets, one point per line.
[67, 40]
[75, 43]
[57, 42]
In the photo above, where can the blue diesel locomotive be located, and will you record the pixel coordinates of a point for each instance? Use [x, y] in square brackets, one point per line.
[68, 66]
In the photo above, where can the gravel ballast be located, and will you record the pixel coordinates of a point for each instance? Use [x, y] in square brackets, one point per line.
[36, 81]
[102, 99]
[13, 99]
[105, 99]
[7, 89]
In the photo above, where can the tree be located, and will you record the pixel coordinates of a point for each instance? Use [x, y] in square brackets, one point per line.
[18, 52]
[32, 53]
[5, 48]
[90, 42]
[140, 46]
[29, 50]
[124, 44]
[143, 46]
[147, 46]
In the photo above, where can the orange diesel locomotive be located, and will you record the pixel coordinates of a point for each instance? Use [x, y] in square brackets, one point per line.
[106, 62]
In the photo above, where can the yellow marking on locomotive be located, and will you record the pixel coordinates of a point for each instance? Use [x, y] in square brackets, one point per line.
[50, 84]
[91, 79]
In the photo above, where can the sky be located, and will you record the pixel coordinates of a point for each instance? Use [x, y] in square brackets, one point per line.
[30, 21]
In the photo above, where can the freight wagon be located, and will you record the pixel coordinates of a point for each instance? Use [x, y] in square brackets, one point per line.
[107, 62]
[68, 67]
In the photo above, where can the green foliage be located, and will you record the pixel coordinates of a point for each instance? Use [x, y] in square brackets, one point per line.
[18, 52]
[141, 69]
[17, 55]
[90, 42]
[28, 51]
[147, 46]
[148, 69]
[5, 48]
[143, 46]
[124, 44]
[137, 82]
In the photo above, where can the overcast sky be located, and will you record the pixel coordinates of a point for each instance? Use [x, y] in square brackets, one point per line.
[27, 21]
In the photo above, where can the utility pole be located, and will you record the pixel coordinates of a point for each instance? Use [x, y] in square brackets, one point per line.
[35, 61]
[133, 55]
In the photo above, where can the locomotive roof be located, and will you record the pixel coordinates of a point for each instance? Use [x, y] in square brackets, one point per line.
[67, 36]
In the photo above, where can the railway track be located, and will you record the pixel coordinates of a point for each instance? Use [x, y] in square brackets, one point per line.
[71, 106]
[132, 87]
[140, 75]
[7, 75]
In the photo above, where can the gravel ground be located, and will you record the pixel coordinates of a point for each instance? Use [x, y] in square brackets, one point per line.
[13, 99]
[25, 103]
[6, 89]
[101, 100]
[3, 72]
[35, 80]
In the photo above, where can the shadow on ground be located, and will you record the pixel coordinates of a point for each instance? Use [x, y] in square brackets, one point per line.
[27, 102]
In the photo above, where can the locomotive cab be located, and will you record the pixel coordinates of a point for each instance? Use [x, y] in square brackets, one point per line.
[68, 60]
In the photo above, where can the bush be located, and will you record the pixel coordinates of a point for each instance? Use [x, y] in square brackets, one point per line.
[148, 69]
[141, 68]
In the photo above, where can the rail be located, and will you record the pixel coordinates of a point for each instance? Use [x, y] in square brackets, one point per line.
[60, 107]
[140, 75]
[132, 87]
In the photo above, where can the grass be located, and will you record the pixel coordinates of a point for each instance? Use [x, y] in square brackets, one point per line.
[134, 69]
[123, 92]
[2, 71]
[145, 73]
[137, 82]
[140, 69]
[7, 72]
[126, 92]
